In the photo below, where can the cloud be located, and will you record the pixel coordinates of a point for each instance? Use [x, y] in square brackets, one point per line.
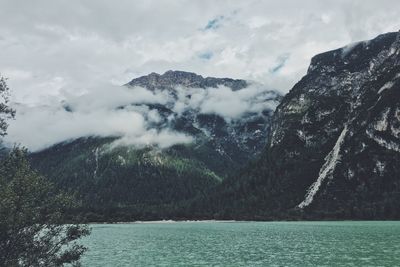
[223, 101]
[105, 111]
[53, 51]
[110, 97]
[128, 113]
[163, 139]
[48, 45]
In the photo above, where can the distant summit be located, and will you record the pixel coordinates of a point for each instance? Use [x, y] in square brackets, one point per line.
[171, 79]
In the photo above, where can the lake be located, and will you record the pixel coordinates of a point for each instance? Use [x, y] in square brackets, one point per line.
[244, 244]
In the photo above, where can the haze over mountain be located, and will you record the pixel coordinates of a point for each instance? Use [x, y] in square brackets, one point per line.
[119, 111]
[105, 113]
[331, 147]
[204, 130]
[199, 133]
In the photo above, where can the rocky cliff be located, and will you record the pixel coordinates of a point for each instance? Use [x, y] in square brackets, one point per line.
[334, 142]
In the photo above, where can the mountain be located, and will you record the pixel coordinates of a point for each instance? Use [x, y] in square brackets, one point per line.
[331, 149]
[171, 79]
[334, 143]
[108, 175]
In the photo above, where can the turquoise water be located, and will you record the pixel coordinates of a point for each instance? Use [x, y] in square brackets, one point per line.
[244, 244]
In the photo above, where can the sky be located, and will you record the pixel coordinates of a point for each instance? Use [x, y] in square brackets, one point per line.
[55, 50]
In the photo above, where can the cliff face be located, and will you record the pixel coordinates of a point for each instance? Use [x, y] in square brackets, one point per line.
[334, 140]
[344, 115]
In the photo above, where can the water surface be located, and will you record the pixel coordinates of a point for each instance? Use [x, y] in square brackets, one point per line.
[244, 244]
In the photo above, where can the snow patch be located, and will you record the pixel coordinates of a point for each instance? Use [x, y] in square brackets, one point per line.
[382, 142]
[382, 124]
[322, 114]
[371, 66]
[121, 160]
[96, 158]
[328, 167]
[392, 51]
[387, 85]
[304, 137]
[395, 131]
[301, 134]
[397, 114]
[276, 137]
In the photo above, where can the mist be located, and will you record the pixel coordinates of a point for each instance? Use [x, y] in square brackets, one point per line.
[124, 112]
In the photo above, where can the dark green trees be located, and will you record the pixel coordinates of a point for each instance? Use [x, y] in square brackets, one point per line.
[32, 229]
[32, 222]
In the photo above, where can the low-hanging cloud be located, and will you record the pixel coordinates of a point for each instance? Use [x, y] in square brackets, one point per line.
[126, 113]
[225, 102]
[96, 113]
[56, 54]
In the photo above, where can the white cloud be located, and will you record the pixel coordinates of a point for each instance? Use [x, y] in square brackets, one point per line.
[224, 101]
[54, 49]
[234, 104]
[91, 41]
[110, 97]
[163, 139]
[122, 112]
[95, 113]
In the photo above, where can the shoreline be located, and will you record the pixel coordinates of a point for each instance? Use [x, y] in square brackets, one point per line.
[233, 221]
[171, 221]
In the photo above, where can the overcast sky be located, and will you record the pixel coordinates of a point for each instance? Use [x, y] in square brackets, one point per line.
[53, 48]
[52, 45]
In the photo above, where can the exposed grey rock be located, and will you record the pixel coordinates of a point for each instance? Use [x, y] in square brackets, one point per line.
[171, 79]
[334, 145]
[124, 175]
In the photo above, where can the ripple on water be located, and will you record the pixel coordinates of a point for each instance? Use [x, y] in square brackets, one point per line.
[244, 244]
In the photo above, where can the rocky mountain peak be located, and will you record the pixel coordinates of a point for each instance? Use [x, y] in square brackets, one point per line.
[171, 79]
[342, 118]
[205, 144]
[355, 56]
[334, 144]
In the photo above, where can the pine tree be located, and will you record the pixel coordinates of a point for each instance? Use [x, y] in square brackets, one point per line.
[33, 231]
